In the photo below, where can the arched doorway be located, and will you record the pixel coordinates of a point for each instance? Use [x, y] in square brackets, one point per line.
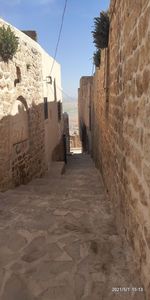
[20, 141]
[19, 121]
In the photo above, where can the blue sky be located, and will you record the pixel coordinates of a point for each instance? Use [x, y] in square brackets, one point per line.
[76, 48]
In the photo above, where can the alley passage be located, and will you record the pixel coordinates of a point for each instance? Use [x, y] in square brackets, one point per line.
[58, 240]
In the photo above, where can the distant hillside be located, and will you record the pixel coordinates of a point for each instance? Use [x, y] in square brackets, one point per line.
[71, 107]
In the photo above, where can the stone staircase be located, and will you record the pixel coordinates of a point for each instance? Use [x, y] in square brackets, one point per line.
[58, 239]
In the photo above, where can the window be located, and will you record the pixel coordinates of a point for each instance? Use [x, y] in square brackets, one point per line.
[45, 108]
[18, 75]
[90, 123]
[55, 92]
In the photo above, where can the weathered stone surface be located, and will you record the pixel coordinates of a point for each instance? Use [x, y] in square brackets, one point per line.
[146, 79]
[16, 289]
[25, 148]
[139, 85]
[6, 256]
[73, 250]
[63, 292]
[35, 250]
[79, 285]
[13, 242]
[84, 108]
[120, 124]
[143, 24]
[2, 274]
[75, 257]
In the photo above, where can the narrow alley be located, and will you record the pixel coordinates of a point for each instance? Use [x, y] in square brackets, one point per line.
[59, 240]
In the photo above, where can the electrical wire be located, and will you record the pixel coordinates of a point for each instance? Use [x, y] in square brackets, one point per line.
[59, 36]
[64, 92]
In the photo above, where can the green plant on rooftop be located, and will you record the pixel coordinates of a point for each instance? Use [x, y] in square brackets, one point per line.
[8, 43]
[97, 58]
[100, 35]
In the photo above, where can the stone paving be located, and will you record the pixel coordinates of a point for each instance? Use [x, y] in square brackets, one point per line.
[58, 240]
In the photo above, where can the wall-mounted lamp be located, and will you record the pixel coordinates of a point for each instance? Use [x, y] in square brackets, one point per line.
[49, 79]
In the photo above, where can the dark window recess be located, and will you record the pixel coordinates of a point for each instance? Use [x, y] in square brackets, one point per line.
[59, 104]
[90, 123]
[18, 75]
[45, 108]
[55, 92]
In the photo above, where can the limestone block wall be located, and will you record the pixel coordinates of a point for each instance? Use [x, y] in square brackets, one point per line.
[22, 121]
[121, 124]
[84, 110]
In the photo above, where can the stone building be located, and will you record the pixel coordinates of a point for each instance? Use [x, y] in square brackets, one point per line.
[121, 125]
[75, 142]
[31, 124]
[84, 111]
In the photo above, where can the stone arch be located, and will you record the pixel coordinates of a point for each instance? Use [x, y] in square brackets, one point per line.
[19, 103]
[19, 120]
[20, 141]
[23, 101]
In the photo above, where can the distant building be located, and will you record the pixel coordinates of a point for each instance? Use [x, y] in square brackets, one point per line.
[75, 141]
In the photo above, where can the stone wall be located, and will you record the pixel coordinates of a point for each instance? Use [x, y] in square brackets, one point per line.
[52, 92]
[84, 109]
[23, 87]
[121, 124]
[53, 135]
[66, 131]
